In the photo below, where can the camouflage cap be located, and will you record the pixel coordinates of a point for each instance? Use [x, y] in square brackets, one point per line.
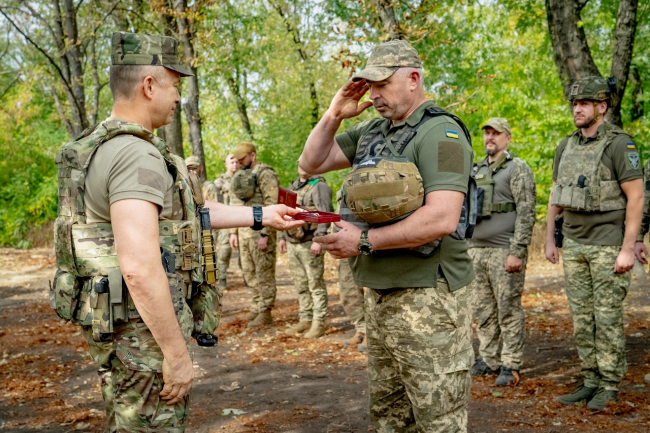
[143, 49]
[499, 124]
[243, 149]
[192, 162]
[387, 58]
[590, 88]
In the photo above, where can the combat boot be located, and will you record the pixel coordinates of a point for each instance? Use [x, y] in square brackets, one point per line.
[264, 318]
[317, 330]
[480, 368]
[251, 315]
[647, 378]
[579, 394]
[507, 376]
[355, 340]
[363, 346]
[602, 397]
[299, 328]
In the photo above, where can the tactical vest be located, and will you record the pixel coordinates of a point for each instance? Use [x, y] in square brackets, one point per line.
[485, 183]
[300, 232]
[397, 182]
[88, 288]
[244, 184]
[223, 188]
[583, 182]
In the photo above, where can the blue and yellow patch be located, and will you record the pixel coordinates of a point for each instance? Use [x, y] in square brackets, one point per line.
[631, 146]
[452, 134]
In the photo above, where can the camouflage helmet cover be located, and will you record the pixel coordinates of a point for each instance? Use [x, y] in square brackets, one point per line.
[192, 162]
[144, 49]
[589, 88]
[387, 58]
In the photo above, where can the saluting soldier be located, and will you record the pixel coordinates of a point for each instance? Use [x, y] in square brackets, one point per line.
[598, 190]
[499, 250]
[306, 258]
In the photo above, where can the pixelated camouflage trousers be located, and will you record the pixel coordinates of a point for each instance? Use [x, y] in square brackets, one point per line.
[500, 317]
[596, 295]
[258, 268]
[419, 356]
[223, 253]
[351, 296]
[130, 371]
[307, 274]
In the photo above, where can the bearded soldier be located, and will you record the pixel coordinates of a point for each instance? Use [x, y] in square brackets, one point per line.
[255, 184]
[499, 251]
[598, 191]
[223, 238]
[306, 260]
[404, 220]
[132, 240]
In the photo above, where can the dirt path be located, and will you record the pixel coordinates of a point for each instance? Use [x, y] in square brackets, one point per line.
[266, 381]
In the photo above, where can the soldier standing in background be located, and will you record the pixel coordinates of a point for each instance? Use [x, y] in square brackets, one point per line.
[598, 189]
[255, 184]
[133, 204]
[499, 250]
[306, 260]
[209, 189]
[640, 251]
[351, 298]
[223, 237]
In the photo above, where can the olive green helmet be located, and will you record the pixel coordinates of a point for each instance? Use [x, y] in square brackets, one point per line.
[591, 88]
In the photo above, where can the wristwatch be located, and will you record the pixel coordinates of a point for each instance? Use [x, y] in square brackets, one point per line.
[365, 247]
[257, 218]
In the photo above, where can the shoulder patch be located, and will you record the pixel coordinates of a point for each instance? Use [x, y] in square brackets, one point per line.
[633, 160]
[452, 134]
[451, 157]
[631, 146]
[313, 182]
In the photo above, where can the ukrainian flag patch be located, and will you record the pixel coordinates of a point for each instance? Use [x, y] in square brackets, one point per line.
[631, 146]
[452, 134]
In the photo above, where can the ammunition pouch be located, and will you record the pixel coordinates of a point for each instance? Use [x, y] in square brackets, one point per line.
[606, 196]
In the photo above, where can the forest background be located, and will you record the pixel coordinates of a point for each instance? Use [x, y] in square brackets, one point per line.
[266, 71]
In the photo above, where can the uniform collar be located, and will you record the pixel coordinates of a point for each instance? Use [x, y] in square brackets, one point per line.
[412, 120]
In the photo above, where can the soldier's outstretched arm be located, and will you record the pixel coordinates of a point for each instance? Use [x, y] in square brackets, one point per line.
[277, 216]
[633, 190]
[321, 153]
[138, 252]
[438, 217]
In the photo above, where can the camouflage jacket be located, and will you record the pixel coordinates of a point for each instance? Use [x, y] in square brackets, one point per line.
[266, 194]
[314, 194]
[223, 187]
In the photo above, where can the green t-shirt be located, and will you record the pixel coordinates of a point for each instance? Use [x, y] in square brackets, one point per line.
[601, 228]
[444, 158]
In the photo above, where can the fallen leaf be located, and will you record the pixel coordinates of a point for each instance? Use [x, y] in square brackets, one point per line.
[233, 386]
[497, 394]
[227, 412]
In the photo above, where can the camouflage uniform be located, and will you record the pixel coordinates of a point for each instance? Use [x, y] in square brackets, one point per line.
[129, 358]
[501, 326]
[306, 268]
[259, 266]
[417, 307]
[351, 297]
[594, 229]
[223, 238]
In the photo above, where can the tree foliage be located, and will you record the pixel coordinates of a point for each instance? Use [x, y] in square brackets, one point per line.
[268, 69]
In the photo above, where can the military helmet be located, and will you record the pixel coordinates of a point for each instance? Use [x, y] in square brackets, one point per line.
[243, 184]
[192, 162]
[590, 88]
[381, 190]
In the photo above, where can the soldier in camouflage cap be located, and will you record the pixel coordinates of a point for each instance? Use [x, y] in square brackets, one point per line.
[598, 191]
[142, 347]
[417, 299]
[499, 253]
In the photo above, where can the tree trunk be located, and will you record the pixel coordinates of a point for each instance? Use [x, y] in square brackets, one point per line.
[637, 94]
[571, 51]
[622, 56]
[235, 89]
[191, 107]
[391, 28]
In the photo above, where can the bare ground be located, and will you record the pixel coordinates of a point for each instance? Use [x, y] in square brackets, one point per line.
[266, 381]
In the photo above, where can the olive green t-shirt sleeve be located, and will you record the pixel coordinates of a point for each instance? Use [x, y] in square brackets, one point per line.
[444, 162]
[138, 171]
[348, 140]
[625, 160]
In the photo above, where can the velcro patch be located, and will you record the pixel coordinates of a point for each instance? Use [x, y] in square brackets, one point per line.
[372, 162]
[151, 178]
[633, 160]
[451, 157]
